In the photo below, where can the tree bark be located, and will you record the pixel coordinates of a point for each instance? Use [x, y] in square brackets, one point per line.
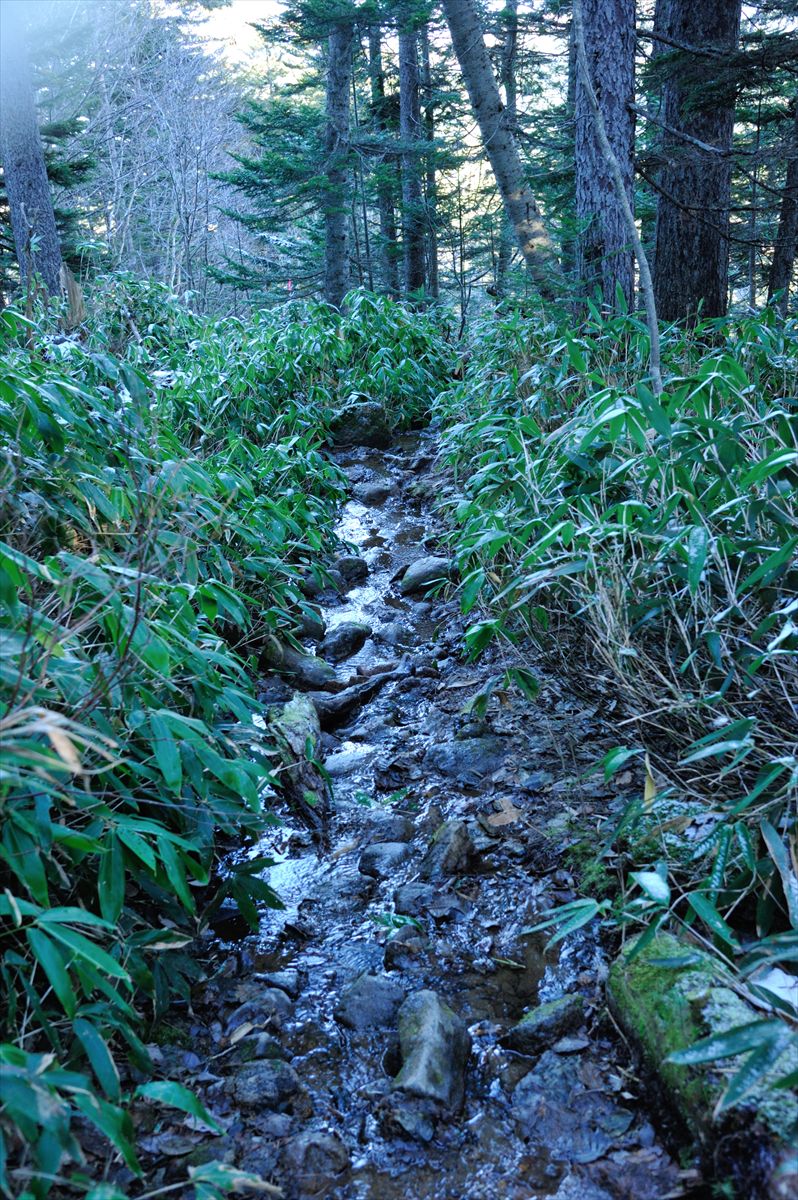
[430, 181]
[27, 187]
[411, 133]
[784, 250]
[624, 203]
[500, 146]
[337, 152]
[509, 54]
[605, 255]
[384, 173]
[692, 247]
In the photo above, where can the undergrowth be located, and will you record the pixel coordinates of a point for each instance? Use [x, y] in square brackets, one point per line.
[164, 493]
[651, 547]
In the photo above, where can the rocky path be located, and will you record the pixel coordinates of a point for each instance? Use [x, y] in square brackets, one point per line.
[393, 1033]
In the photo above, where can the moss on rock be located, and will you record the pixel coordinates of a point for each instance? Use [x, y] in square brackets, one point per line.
[665, 1009]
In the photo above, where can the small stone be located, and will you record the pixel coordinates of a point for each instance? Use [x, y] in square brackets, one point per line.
[352, 568]
[270, 1005]
[374, 494]
[405, 949]
[424, 574]
[316, 1162]
[469, 760]
[288, 981]
[370, 1002]
[435, 1048]
[413, 899]
[344, 640]
[395, 827]
[381, 860]
[265, 1084]
[545, 1024]
[306, 669]
[451, 852]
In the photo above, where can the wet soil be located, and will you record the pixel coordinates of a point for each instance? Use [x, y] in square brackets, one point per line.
[568, 1120]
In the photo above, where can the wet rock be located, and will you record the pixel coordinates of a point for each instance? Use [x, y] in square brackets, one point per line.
[374, 494]
[383, 859]
[565, 1107]
[394, 827]
[296, 727]
[547, 1023]
[413, 899]
[405, 1117]
[344, 762]
[272, 1005]
[424, 574]
[405, 950]
[288, 981]
[435, 1047]
[451, 852]
[664, 1010]
[333, 709]
[362, 423]
[370, 1002]
[468, 761]
[352, 569]
[344, 640]
[311, 625]
[265, 1083]
[395, 633]
[316, 1162]
[306, 669]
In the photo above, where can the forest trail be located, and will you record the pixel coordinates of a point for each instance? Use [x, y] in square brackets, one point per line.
[443, 849]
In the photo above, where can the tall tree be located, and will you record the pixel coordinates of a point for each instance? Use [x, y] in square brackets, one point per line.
[500, 145]
[698, 98]
[337, 164]
[430, 180]
[385, 168]
[785, 248]
[27, 188]
[605, 254]
[411, 134]
[507, 79]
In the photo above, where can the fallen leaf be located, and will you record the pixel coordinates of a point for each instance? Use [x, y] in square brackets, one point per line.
[508, 814]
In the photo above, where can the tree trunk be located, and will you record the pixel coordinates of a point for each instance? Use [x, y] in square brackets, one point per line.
[500, 146]
[385, 169]
[785, 248]
[410, 133]
[28, 190]
[692, 247]
[336, 146]
[430, 182]
[507, 80]
[605, 255]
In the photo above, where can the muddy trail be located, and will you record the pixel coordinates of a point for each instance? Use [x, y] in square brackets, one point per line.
[368, 1044]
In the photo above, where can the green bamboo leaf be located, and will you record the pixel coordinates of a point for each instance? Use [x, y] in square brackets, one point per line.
[111, 881]
[167, 754]
[754, 1070]
[706, 911]
[789, 880]
[90, 951]
[738, 1040]
[99, 1056]
[174, 1095]
[51, 960]
[654, 886]
[697, 546]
